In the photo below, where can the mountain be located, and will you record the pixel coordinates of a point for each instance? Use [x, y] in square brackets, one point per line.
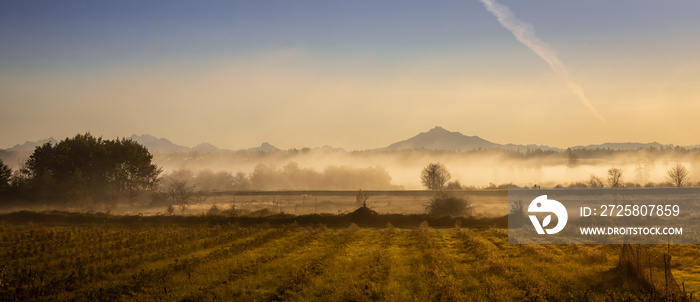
[265, 147]
[523, 148]
[440, 139]
[161, 145]
[624, 146]
[437, 138]
[327, 148]
[30, 146]
[205, 147]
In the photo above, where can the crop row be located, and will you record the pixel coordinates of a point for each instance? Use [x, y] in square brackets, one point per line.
[213, 262]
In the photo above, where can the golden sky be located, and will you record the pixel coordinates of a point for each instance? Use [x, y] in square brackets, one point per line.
[355, 76]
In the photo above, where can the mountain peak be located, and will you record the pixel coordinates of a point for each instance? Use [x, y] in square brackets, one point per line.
[205, 147]
[438, 129]
[155, 144]
[31, 145]
[264, 147]
[439, 138]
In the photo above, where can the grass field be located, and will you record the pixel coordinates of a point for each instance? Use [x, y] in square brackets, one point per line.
[200, 261]
[485, 203]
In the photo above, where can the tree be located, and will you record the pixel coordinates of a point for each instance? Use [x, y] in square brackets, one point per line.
[454, 186]
[361, 198]
[448, 204]
[595, 182]
[678, 175]
[434, 176]
[5, 176]
[183, 194]
[86, 167]
[615, 177]
[571, 158]
[240, 181]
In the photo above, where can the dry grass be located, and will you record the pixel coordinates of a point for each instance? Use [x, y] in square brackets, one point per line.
[204, 262]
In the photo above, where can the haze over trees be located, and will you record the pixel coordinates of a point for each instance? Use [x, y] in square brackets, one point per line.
[85, 169]
[294, 177]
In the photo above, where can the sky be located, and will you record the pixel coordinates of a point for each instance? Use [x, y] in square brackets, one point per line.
[350, 74]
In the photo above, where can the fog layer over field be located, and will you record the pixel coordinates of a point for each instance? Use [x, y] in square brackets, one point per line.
[380, 170]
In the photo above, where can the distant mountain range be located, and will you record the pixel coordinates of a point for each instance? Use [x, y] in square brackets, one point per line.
[162, 145]
[437, 138]
[626, 146]
[30, 146]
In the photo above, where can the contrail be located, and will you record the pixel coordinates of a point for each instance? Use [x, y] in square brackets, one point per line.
[525, 33]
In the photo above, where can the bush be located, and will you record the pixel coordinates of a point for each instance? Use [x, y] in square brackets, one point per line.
[516, 215]
[214, 211]
[446, 204]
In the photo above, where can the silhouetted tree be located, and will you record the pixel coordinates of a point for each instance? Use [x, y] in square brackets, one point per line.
[434, 176]
[678, 175]
[361, 198]
[595, 182]
[85, 167]
[183, 194]
[615, 177]
[5, 176]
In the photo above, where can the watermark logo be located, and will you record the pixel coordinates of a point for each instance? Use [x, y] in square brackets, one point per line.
[543, 205]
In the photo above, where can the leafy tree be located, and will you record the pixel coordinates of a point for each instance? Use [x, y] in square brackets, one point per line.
[241, 181]
[454, 186]
[434, 176]
[615, 177]
[86, 167]
[5, 176]
[678, 175]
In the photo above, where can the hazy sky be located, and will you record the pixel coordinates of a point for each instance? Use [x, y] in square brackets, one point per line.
[351, 74]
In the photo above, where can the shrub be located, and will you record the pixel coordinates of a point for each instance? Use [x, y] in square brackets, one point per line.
[214, 211]
[446, 204]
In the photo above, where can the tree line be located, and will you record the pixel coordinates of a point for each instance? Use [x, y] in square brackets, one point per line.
[83, 168]
[89, 169]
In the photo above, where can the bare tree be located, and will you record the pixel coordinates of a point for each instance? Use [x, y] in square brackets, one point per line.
[361, 198]
[595, 182]
[434, 176]
[183, 194]
[678, 175]
[615, 177]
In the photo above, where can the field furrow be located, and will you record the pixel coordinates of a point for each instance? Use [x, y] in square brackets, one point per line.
[288, 262]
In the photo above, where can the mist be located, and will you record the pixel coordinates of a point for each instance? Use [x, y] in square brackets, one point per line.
[383, 170]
